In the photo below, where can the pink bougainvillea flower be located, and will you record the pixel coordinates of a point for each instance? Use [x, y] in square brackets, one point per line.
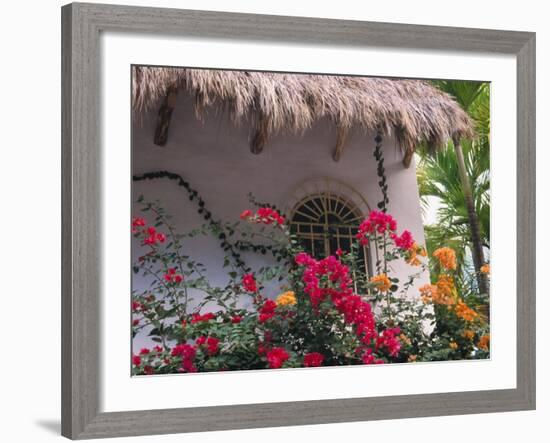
[153, 237]
[388, 339]
[212, 345]
[187, 354]
[405, 241]
[172, 276]
[246, 214]
[267, 310]
[313, 359]
[265, 215]
[377, 222]
[137, 222]
[183, 350]
[276, 357]
[368, 358]
[196, 318]
[304, 259]
[269, 216]
[249, 283]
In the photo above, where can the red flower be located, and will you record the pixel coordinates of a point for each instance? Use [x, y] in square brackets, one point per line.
[267, 311]
[304, 259]
[369, 359]
[172, 277]
[153, 237]
[404, 241]
[183, 350]
[266, 215]
[144, 351]
[339, 252]
[148, 370]
[249, 283]
[136, 306]
[212, 344]
[136, 360]
[138, 221]
[196, 318]
[276, 357]
[187, 354]
[246, 214]
[377, 222]
[236, 319]
[135, 322]
[158, 348]
[313, 359]
[388, 339]
[338, 276]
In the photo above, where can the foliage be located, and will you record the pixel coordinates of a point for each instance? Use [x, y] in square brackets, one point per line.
[318, 318]
[438, 177]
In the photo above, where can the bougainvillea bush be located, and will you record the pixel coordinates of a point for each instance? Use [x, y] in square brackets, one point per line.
[318, 318]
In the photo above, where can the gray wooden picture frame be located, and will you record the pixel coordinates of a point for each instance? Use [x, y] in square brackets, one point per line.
[81, 166]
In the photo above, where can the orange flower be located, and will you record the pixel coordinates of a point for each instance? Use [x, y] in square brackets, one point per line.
[435, 294]
[453, 345]
[445, 285]
[446, 257]
[463, 311]
[442, 293]
[286, 298]
[405, 339]
[413, 252]
[412, 358]
[428, 293]
[484, 342]
[468, 334]
[485, 269]
[382, 282]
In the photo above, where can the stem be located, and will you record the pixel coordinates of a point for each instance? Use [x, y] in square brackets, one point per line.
[477, 247]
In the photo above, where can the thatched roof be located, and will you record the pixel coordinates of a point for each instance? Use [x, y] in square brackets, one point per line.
[413, 110]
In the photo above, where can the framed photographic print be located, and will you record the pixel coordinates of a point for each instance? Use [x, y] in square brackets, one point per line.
[275, 221]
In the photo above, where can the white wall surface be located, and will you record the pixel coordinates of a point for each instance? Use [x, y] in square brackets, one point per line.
[30, 184]
[214, 156]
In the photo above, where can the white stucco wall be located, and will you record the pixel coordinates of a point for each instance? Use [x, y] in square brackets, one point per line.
[214, 156]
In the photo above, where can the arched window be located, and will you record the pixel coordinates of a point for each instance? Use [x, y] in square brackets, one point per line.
[324, 222]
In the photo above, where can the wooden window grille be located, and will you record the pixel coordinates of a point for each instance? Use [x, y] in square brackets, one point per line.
[325, 222]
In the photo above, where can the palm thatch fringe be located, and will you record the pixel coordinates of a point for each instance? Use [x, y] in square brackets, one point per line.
[413, 110]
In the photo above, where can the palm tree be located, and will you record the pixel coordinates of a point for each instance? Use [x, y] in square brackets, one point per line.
[459, 177]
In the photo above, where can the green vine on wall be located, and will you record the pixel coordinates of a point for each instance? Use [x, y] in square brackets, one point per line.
[233, 249]
[381, 172]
